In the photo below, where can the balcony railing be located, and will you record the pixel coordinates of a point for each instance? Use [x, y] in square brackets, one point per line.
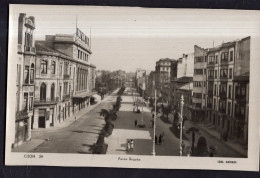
[50, 101]
[29, 49]
[224, 61]
[240, 97]
[66, 97]
[21, 114]
[66, 76]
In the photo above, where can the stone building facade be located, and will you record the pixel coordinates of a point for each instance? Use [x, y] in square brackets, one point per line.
[25, 81]
[199, 83]
[64, 78]
[228, 88]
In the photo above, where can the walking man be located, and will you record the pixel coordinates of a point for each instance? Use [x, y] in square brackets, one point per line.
[155, 139]
[135, 123]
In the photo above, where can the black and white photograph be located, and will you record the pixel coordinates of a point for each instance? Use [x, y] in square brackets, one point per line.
[132, 87]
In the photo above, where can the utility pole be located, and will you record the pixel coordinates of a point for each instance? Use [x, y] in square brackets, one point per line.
[154, 125]
[181, 119]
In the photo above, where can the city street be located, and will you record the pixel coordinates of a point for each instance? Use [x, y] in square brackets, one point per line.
[82, 134]
[79, 136]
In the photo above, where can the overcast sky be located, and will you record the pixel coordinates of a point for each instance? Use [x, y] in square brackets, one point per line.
[130, 38]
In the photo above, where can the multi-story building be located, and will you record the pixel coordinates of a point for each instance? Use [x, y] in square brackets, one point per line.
[182, 68]
[64, 78]
[199, 83]
[228, 87]
[162, 77]
[25, 82]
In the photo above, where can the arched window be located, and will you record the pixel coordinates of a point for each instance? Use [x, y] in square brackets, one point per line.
[53, 67]
[44, 67]
[52, 91]
[43, 92]
[32, 73]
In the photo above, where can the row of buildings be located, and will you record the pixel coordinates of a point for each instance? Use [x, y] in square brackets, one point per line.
[54, 78]
[214, 83]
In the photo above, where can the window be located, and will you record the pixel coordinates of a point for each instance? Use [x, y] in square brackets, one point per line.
[231, 56]
[31, 101]
[215, 89]
[199, 59]
[197, 95]
[25, 101]
[223, 73]
[43, 92]
[205, 71]
[230, 73]
[53, 66]
[32, 74]
[28, 39]
[229, 91]
[224, 56]
[211, 74]
[216, 73]
[211, 59]
[52, 92]
[78, 54]
[216, 59]
[26, 75]
[229, 108]
[60, 69]
[44, 67]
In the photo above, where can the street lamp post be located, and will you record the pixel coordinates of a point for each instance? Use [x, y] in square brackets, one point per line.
[154, 124]
[181, 119]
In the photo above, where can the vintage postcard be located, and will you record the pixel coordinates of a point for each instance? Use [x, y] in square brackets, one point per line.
[133, 87]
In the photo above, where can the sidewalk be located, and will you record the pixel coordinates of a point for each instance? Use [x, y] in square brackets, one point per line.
[69, 120]
[230, 143]
[28, 145]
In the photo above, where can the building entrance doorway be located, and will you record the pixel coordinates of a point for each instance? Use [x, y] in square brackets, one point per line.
[41, 122]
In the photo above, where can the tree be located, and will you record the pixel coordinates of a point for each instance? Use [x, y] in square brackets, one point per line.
[166, 111]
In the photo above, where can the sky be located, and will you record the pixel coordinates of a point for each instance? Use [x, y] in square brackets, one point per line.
[130, 38]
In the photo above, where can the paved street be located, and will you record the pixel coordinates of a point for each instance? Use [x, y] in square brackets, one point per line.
[125, 130]
[78, 137]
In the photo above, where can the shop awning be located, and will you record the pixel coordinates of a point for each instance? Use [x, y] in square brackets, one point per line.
[85, 94]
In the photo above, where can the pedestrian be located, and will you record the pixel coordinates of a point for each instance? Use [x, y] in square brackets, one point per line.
[182, 145]
[135, 123]
[75, 118]
[128, 146]
[132, 144]
[160, 139]
[155, 139]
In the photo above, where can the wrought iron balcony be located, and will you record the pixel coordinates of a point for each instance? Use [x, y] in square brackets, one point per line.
[51, 101]
[66, 76]
[29, 49]
[223, 94]
[21, 114]
[66, 97]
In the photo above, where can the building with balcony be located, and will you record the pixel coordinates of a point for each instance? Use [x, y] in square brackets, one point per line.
[25, 81]
[199, 84]
[64, 78]
[228, 88]
[162, 77]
